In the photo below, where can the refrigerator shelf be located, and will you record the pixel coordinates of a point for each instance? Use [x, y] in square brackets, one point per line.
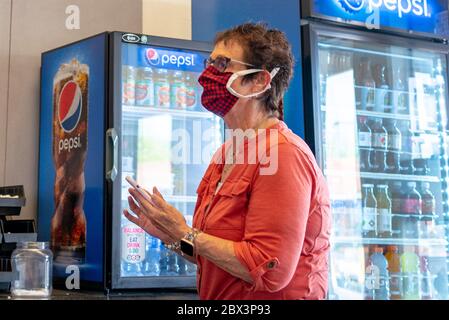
[383, 176]
[390, 241]
[395, 176]
[180, 198]
[140, 112]
[375, 53]
[384, 115]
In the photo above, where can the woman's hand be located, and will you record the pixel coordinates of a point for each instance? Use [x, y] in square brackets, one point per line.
[156, 217]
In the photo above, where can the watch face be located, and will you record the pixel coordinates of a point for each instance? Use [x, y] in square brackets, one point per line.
[187, 248]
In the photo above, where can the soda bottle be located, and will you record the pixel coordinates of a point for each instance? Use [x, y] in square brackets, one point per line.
[151, 265]
[380, 145]
[384, 228]
[382, 97]
[178, 96]
[381, 284]
[397, 198]
[145, 87]
[400, 93]
[427, 210]
[367, 85]
[191, 92]
[162, 88]
[426, 277]
[128, 85]
[369, 212]
[394, 269]
[411, 208]
[394, 146]
[419, 162]
[369, 281]
[410, 274]
[365, 140]
[163, 260]
[407, 166]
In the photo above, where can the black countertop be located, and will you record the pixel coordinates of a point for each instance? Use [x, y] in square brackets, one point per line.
[98, 295]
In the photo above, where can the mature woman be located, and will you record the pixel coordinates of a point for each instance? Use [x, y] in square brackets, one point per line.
[256, 234]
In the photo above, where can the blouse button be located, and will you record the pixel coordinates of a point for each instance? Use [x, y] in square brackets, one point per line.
[271, 264]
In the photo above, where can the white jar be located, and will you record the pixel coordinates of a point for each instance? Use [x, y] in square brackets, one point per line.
[33, 261]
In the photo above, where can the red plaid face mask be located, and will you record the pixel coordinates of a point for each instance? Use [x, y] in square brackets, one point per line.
[216, 98]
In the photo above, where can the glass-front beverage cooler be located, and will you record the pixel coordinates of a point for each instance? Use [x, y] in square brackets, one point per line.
[116, 105]
[380, 133]
[167, 141]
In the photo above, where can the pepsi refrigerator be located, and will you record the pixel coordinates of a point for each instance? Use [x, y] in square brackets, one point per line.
[115, 105]
[377, 121]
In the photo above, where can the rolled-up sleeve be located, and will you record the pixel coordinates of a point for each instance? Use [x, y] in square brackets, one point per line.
[276, 221]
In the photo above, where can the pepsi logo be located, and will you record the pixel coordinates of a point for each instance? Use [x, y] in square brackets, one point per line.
[352, 6]
[70, 106]
[152, 56]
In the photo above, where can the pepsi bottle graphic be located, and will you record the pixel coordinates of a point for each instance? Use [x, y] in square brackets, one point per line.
[70, 109]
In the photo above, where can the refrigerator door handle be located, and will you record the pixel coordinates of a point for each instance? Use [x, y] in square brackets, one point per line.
[111, 159]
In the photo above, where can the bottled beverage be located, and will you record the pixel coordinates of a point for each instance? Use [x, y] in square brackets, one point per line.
[419, 162]
[394, 146]
[397, 197]
[382, 97]
[128, 85]
[365, 141]
[151, 265]
[427, 210]
[369, 283]
[367, 85]
[400, 94]
[407, 166]
[384, 228]
[380, 146]
[411, 208]
[162, 88]
[381, 285]
[426, 278]
[394, 269]
[410, 274]
[163, 260]
[68, 228]
[369, 212]
[191, 92]
[144, 95]
[133, 249]
[178, 96]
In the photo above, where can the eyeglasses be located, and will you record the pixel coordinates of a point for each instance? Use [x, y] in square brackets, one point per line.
[222, 63]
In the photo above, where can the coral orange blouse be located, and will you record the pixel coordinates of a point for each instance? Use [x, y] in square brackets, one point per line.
[279, 221]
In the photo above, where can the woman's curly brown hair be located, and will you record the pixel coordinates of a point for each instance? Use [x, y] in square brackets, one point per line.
[266, 49]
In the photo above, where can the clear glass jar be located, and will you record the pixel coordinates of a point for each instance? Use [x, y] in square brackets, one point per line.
[33, 261]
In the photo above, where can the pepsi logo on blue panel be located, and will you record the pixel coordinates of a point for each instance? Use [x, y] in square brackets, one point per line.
[152, 56]
[70, 106]
[352, 6]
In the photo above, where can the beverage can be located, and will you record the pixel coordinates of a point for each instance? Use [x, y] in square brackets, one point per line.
[70, 139]
[145, 87]
[128, 85]
[162, 89]
[178, 90]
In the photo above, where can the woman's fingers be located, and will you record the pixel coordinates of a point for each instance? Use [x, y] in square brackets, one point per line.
[130, 217]
[133, 206]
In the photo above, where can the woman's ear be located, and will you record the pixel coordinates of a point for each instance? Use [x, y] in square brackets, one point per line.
[261, 80]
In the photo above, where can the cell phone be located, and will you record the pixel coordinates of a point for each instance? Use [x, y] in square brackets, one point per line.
[136, 186]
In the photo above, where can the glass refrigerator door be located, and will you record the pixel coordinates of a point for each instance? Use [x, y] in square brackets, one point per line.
[382, 123]
[167, 141]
